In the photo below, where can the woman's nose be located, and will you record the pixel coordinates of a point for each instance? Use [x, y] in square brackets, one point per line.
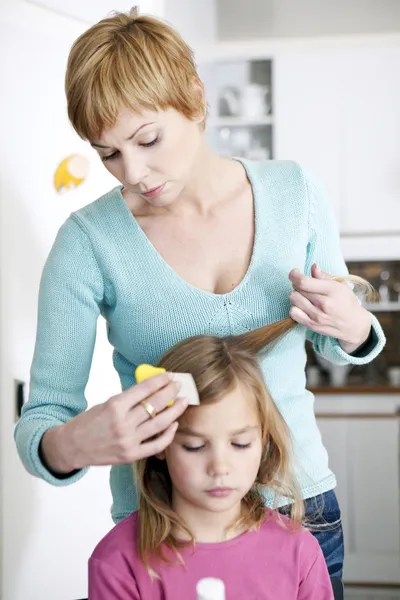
[135, 172]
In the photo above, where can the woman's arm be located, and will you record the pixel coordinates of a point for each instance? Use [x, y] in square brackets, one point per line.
[57, 439]
[324, 250]
[71, 292]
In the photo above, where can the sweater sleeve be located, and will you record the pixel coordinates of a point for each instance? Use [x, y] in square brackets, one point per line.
[324, 249]
[70, 295]
[106, 583]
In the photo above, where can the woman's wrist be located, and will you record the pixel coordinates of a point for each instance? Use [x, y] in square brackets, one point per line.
[57, 451]
[363, 331]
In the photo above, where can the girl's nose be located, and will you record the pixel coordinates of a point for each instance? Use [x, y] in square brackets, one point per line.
[218, 465]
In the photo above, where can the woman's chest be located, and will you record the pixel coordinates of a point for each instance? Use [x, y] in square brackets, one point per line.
[151, 315]
[211, 253]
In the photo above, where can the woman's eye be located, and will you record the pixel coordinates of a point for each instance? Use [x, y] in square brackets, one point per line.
[109, 157]
[193, 448]
[149, 144]
[241, 446]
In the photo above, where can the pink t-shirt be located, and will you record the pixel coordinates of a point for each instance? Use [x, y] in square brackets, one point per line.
[272, 563]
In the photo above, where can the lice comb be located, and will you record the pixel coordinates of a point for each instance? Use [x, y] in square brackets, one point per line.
[187, 390]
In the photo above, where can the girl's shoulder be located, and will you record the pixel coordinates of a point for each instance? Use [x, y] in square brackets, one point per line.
[119, 543]
[294, 538]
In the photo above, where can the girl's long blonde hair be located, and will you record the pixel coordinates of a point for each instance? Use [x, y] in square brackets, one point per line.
[218, 365]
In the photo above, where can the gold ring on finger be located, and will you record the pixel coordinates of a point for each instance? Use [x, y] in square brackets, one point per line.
[149, 408]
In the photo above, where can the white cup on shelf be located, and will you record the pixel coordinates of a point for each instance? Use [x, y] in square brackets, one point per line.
[394, 376]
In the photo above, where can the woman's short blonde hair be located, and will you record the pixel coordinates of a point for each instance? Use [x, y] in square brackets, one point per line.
[128, 61]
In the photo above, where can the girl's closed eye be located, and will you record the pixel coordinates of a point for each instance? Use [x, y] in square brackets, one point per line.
[236, 445]
[241, 446]
[193, 448]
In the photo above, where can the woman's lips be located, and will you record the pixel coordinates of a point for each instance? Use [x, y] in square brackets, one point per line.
[153, 193]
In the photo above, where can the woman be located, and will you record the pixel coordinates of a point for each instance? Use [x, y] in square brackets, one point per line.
[190, 243]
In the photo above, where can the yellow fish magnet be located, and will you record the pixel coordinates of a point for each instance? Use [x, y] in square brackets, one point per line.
[71, 172]
[187, 390]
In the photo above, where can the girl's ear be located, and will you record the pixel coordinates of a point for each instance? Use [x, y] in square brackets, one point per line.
[160, 455]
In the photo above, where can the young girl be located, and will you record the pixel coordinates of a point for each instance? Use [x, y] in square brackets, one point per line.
[202, 510]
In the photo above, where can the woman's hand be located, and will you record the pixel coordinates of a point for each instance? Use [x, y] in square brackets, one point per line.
[329, 307]
[120, 430]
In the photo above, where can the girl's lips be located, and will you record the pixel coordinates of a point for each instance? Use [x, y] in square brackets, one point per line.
[221, 492]
[154, 192]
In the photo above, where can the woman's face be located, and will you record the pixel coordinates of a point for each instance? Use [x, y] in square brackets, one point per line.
[153, 154]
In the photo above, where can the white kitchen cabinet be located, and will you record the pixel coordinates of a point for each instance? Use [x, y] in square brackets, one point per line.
[308, 115]
[337, 110]
[361, 434]
[371, 141]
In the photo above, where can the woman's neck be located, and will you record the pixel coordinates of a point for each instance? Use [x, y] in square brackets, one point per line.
[212, 180]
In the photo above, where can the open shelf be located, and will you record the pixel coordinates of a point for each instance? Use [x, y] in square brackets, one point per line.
[383, 306]
[240, 121]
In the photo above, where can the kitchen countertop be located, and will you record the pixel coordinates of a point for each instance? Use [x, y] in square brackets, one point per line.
[356, 389]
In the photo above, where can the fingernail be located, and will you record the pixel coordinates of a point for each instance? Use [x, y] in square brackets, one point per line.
[171, 376]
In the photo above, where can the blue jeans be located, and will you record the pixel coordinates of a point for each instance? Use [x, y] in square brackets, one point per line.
[322, 519]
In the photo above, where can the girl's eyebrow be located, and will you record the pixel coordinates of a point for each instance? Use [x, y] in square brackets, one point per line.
[191, 432]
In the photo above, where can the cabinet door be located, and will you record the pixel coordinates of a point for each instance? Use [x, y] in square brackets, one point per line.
[364, 455]
[308, 115]
[338, 112]
[371, 141]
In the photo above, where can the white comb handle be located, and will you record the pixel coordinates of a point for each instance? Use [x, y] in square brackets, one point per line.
[210, 588]
[188, 388]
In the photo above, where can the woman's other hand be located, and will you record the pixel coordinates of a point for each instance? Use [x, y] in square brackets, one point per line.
[329, 307]
[121, 430]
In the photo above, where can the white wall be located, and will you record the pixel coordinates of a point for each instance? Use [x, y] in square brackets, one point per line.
[93, 10]
[196, 21]
[291, 18]
[47, 533]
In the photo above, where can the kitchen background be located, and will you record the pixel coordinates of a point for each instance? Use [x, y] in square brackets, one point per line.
[309, 80]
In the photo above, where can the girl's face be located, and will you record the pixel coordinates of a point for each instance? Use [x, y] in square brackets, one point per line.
[215, 456]
[153, 154]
